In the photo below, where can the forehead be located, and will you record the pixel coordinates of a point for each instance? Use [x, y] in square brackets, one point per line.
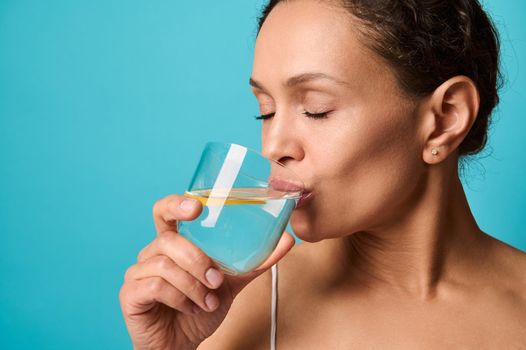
[311, 36]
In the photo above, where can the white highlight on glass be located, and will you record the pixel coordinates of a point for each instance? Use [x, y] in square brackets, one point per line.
[224, 182]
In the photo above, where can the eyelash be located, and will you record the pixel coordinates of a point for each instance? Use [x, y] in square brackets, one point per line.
[307, 114]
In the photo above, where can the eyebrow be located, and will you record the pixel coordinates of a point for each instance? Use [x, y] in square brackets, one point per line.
[300, 79]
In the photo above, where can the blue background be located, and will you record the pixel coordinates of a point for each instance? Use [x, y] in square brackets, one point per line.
[105, 106]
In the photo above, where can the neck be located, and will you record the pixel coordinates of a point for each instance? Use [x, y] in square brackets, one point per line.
[436, 240]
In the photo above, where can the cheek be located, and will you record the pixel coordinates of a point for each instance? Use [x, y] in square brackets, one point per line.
[367, 170]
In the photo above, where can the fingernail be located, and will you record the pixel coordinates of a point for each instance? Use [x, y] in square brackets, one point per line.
[211, 301]
[188, 204]
[214, 277]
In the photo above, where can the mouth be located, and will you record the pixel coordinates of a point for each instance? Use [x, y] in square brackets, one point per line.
[287, 186]
[284, 185]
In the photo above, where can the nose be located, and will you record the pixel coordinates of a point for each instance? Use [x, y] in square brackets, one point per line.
[281, 141]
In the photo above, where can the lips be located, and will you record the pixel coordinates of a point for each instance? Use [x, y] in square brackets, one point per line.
[284, 185]
[288, 186]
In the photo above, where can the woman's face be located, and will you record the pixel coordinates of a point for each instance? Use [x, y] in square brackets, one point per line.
[363, 162]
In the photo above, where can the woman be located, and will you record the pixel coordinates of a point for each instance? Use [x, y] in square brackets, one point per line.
[375, 106]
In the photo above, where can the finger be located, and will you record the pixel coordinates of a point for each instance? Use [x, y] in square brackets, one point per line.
[163, 266]
[170, 209]
[140, 296]
[185, 254]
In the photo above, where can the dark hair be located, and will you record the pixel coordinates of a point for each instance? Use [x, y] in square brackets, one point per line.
[427, 42]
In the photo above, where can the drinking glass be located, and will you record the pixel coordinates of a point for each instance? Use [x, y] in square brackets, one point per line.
[247, 202]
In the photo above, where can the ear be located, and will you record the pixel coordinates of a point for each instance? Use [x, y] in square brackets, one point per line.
[450, 112]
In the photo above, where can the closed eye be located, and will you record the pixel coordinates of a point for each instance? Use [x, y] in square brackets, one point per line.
[265, 116]
[307, 114]
[316, 115]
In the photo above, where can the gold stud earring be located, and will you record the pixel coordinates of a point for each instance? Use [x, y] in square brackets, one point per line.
[434, 151]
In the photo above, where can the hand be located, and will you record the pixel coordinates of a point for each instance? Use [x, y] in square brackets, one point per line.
[175, 296]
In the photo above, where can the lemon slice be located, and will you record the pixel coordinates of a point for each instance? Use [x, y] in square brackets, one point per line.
[205, 200]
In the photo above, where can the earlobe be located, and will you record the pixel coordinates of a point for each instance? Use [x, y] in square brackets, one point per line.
[454, 107]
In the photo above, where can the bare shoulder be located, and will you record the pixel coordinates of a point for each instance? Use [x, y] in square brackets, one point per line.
[511, 260]
[248, 322]
[510, 267]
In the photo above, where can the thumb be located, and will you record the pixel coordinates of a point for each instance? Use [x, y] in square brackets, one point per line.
[284, 245]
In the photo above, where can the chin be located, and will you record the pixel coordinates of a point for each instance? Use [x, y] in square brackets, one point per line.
[308, 230]
[303, 228]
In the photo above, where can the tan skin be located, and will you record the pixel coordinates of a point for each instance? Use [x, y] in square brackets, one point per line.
[393, 257]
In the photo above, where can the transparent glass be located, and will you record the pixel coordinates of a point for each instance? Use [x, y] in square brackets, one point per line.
[247, 202]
